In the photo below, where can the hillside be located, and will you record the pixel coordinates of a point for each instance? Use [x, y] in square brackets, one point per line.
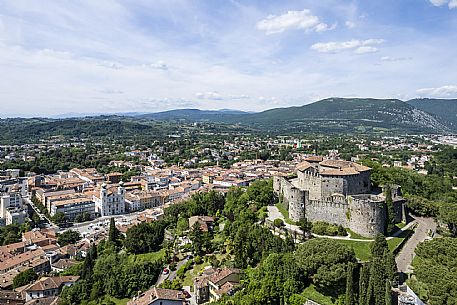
[20, 131]
[349, 115]
[444, 108]
[194, 115]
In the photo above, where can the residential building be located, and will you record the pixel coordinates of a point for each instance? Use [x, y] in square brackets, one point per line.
[159, 296]
[214, 283]
[71, 207]
[48, 287]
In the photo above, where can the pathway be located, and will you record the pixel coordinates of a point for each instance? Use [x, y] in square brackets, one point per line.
[406, 255]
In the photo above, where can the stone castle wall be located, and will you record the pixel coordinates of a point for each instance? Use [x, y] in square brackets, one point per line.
[331, 212]
[366, 215]
[363, 214]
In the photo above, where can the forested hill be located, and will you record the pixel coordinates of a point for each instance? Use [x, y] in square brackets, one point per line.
[18, 131]
[444, 108]
[332, 115]
[195, 115]
[350, 115]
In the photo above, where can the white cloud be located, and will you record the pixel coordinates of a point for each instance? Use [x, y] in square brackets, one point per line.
[209, 95]
[364, 50]
[293, 20]
[359, 46]
[350, 24]
[394, 59]
[450, 3]
[161, 65]
[444, 91]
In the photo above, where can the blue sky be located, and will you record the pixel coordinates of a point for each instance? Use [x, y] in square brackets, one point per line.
[117, 56]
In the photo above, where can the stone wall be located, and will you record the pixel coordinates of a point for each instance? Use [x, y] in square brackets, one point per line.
[311, 182]
[328, 211]
[363, 214]
[367, 214]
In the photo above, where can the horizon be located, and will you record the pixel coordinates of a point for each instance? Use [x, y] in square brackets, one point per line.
[115, 57]
[78, 115]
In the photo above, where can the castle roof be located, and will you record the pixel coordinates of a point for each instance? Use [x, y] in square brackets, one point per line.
[334, 167]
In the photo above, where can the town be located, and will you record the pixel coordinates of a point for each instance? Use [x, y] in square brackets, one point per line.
[60, 217]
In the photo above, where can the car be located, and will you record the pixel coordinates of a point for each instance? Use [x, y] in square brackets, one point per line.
[165, 271]
[186, 293]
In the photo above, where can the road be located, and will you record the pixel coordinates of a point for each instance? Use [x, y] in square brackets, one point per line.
[172, 275]
[42, 216]
[406, 255]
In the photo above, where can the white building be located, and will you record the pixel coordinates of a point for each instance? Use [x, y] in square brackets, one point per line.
[110, 200]
[12, 208]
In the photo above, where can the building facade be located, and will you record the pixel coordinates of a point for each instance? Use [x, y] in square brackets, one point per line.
[110, 201]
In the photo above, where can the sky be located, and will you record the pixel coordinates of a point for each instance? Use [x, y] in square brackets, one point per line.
[105, 56]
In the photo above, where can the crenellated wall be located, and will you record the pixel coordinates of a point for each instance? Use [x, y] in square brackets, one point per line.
[328, 211]
[337, 200]
[367, 214]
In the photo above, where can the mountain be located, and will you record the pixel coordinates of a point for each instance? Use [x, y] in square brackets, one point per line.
[444, 108]
[194, 115]
[332, 115]
[348, 115]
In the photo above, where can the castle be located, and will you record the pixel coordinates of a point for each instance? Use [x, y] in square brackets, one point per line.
[337, 192]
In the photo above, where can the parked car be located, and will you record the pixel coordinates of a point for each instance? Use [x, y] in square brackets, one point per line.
[186, 294]
[165, 271]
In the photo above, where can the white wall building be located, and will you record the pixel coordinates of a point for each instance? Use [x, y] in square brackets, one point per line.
[110, 200]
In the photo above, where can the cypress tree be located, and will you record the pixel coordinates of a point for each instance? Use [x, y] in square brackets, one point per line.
[390, 213]
[377, 281]
[391, 267]
[350, 284]
[379, 246]
[388, 295]
[113, 232]
[89, 263]
[363, 283]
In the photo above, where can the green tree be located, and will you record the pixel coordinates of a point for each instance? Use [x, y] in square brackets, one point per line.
[364, 283]
[59, 218]
[390, 213]
[24, 278]
[113, 234]
[448, 215]
[350, 298]
[89, 263]
[145, 237]
[379, 246]
[68, 237]
[388, 296]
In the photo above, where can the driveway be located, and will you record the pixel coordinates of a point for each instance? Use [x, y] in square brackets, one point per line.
[406, 255]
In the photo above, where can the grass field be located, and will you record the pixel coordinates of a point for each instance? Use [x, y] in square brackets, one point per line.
[362, 248]
[153, 256]
[311, 293]
[357, 236]
[284, 213]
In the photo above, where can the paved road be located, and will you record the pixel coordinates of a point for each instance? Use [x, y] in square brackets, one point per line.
[406, 255]
[35, 208]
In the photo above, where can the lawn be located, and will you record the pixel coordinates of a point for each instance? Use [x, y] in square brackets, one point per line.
[194, 272]
[152, 256]
[117, 301]
[362, 248]
[357, 236]
[284, 213]
[311, 293]
[191, 274]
